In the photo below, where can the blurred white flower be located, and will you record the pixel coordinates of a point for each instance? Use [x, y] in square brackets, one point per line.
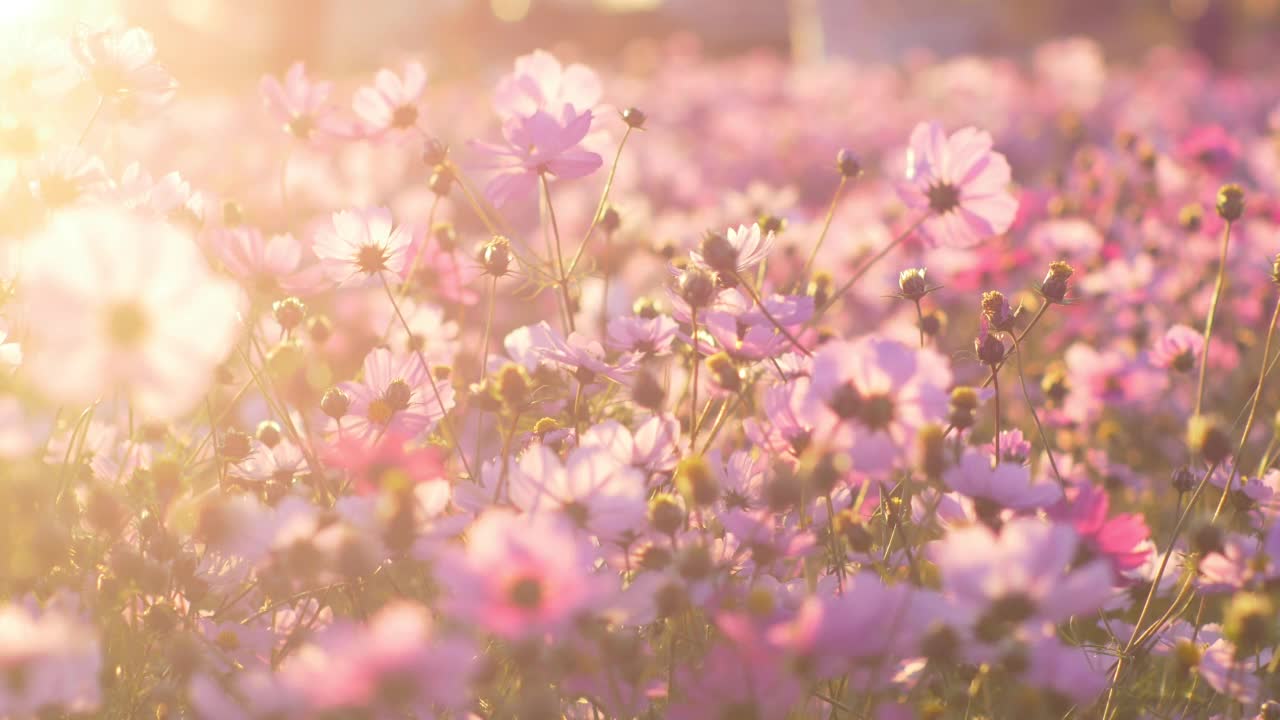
[120, 303]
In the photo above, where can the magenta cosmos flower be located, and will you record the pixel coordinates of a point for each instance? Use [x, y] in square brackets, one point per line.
[1121, 539]
[521, 575]
[359, 245]
[540, 144]
[960, 183]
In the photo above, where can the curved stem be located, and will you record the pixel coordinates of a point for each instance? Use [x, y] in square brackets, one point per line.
[826, 226]
[857, 275]
[604, 199]
[996, 384]
[1022, 380]
[1213, 311]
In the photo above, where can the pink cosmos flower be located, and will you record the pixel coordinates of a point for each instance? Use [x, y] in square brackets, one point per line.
[359, 245]
[1006, 485]
[780, 428]
[302, 106]
[591, 489]
[121, 63]
[1067, 671]
[539, 144]
[540, 83]
[1178, 349]
[1211, 148]
[57, 658]
[120, 303]
[68, 176]
[881, 391]
[392, 106]
[750, 246]
[960, 183]
[651, 448]
[269, 266]
[732, 685]
[388, 464]
[392, 396]
[1020, 575]
[650, 336]
[1121, 539]
[582, 356]
[521, 575]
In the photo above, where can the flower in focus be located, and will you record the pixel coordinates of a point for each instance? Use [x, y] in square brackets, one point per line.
[535, 146]
[392, 396]
[960, 183]
[120, 303]
[357, 246]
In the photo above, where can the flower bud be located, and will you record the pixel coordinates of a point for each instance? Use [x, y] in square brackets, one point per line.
[335, 403]
[645, 308]
[434, 152]
[1230, 202]
[995, 308]
[931, 443]
[828, 471]
[726, 375]
[441, 180]
[1206, 438]
[820, 287]
[289, 312]
[911, 283]
[1191, 217]
[1249, 623]
[854, 532]
[718, 253]
[268, 433]
[610, 221]
[771, 223]
[634, 118]
[235, 446]
[495, 256]
[1206, 539]
[319, 329]
[848, 165]
[1183, 479]
[1054, 287]
[647, 392]
[695, 562]
[989, 348]
[397, 395]
[666, 515]
[513, 385]
[963, 404]
[696, 481]
[545, 425]
[1275, 269]
[696, 286]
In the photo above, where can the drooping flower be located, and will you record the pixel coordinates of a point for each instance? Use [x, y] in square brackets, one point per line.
[121, 303]
[959, 184]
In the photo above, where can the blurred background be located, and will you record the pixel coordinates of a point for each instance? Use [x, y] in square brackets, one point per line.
[458, 37]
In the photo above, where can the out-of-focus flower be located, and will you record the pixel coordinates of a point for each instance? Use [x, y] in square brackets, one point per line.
[1178, 349]
[121, 62]
[1004, 485]
[591, 489]
[55, 655]
[392, 106]
[959, 184]
[302, 106]
[535, 146]
[117, 303]
[540, 83]
[1121, 539]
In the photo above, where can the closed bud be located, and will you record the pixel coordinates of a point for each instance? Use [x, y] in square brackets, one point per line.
[1186, 655]
[319, 329]
[989, 349]
[434, 152]
[725, 373]
[820, 287]
[1230, 202]
[645, 308]
[1206, 438]
[1249, 623]
[995, 308]
[1183, 479]
[830, 469]
[495, 256]
[771, 223]
[696, 286]
[1206, 539]
[397, 395]
[1191, 217]
[911, 283]
[1054, 288]
[848, 164]
[666, 515]
[335, 403]
[545, 425]
[268, 433]
[1275, 269]
[963, 404]
[718, 253]
[931, 442]
[289, 312]
[696, 481]
[513, 385]
[441, 180]
[634, 118]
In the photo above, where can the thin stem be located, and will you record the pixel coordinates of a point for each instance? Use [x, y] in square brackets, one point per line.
[1035, 417]
[417, 259]
[562, 280]
[1213, 311]
[920, 322]
[435, 389]
[604, 199]
[97, 110]
[1253, 411]
[693, 386]
[826, 225]
[866, 267]
[755, 297]
[996, 384]
[1019, 337]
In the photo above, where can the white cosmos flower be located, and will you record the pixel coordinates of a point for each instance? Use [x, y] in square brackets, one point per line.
[122, 303]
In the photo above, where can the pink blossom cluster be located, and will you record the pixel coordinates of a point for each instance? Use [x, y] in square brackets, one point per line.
[732, 390]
